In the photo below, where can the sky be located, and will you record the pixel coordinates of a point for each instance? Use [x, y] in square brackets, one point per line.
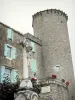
[18, 15]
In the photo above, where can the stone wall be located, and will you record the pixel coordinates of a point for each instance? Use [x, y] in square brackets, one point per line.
[50, 26]
[37, 55]
[18, 62]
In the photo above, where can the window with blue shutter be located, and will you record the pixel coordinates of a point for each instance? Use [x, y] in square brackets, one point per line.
[13, 52]
[33, 65]
[2, 73]
[8, 74]
[14, 76]
[33, 47]
[9, 52]
[9, 34]
[5, 50]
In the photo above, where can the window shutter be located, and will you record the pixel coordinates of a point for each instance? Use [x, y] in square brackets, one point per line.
[2, 70]
[10, 34]
[13, 53]
[14, 75]
[8, 73]
[33, 65]
[5, 50]
[33, 47]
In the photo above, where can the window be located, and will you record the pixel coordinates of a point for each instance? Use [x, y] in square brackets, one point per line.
[33, 47]
[9, 34]
[57, 68]
[33, 65]
[7, 74]
[9, 52]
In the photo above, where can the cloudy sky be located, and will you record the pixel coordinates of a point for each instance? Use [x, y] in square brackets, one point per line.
[18, 15]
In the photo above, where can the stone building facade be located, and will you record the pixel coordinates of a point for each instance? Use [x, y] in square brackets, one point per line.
[49, 60]
[10, 61]
[33, 58]
[50, 26]
[11, 53]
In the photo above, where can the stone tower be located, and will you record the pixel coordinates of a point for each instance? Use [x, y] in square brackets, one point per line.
[50, 26]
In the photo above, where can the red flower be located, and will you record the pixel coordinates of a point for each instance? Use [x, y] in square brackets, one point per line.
[67, 83]
[33, 79]
[54, 76]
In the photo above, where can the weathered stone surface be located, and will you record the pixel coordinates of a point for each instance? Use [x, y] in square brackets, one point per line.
[51, 28]
[18, 62]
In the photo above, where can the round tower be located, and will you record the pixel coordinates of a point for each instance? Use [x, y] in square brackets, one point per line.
[50, 26]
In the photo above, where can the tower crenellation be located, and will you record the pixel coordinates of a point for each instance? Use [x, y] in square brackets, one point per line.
[51, 11]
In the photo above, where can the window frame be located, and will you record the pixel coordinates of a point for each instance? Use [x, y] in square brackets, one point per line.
[10, 69]
[57, 68]
[11, 39]
[3, 74]
[9, 55]
[12, 47]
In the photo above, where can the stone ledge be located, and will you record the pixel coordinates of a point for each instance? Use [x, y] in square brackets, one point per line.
[33, 38]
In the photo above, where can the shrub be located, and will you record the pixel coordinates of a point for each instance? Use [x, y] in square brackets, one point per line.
[7, 90]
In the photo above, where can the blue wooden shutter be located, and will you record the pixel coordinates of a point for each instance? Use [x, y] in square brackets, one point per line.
[14, 75]
[2, 70]
[33, 65]
[10, 34]
[33, 47]
[5, 50]
[13, 53]
[8, 73]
